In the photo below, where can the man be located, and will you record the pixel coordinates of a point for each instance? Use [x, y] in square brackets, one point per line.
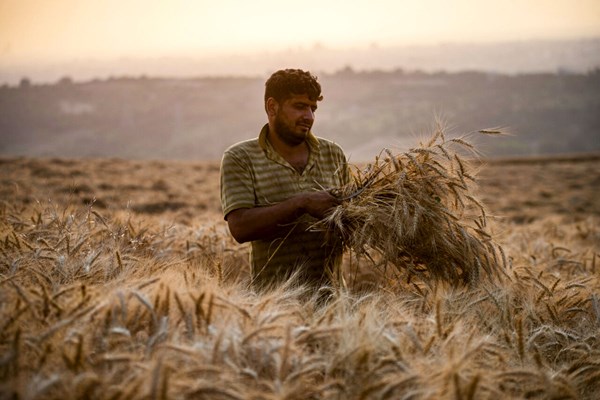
[273, 186]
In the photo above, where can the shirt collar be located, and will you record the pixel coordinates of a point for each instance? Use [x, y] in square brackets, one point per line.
[311, 140]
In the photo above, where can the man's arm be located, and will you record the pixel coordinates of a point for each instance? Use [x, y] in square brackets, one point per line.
[247, 224]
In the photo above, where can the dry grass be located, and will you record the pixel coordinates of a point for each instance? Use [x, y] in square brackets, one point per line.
[419, 212]
[114, 302]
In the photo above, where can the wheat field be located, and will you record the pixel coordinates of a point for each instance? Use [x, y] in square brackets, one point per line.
[119, 280]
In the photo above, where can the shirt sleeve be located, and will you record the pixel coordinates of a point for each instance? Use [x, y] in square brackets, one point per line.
[237, 188]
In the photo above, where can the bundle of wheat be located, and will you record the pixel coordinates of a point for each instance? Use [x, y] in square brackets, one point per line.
[418, 211]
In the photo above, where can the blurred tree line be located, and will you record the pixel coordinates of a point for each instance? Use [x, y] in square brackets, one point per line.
[141, 117]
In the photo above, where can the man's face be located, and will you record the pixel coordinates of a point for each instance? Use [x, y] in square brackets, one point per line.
[294, 119]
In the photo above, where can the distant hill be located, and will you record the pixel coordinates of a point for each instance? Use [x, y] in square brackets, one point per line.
[511, 57]
[147, 118]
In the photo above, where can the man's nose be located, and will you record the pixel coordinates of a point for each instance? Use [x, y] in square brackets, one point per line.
[309, 114]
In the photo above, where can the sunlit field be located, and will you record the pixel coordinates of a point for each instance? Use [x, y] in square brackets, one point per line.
[119, 280]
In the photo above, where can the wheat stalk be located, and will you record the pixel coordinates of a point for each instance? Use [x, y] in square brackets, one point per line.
[417, 210]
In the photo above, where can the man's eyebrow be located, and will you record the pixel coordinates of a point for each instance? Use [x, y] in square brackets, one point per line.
[305, 103]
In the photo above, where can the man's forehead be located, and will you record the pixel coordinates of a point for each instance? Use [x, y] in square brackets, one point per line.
[301, 98]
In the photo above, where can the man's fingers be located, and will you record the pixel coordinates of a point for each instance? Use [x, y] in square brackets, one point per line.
[320, 203]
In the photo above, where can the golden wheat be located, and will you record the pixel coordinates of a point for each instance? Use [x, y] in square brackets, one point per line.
[418, 212]
[175, 318]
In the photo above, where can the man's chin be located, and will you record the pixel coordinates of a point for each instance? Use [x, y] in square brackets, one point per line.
[296, 139]
[303, 134]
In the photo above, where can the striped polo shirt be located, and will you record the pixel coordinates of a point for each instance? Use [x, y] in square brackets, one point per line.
[253, 174]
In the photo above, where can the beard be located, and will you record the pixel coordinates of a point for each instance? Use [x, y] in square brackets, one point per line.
[287, 133]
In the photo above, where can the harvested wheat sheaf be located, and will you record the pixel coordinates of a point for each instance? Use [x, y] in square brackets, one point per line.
[418, 211]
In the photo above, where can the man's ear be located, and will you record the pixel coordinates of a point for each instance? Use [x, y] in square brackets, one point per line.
[272, 106]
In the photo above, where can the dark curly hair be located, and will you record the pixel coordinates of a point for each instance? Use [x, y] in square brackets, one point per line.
[285, 83]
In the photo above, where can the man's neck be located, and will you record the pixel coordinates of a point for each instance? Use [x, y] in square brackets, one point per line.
[296, 156]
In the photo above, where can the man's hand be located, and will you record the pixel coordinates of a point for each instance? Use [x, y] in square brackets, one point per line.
[317, 204]
[247, 224]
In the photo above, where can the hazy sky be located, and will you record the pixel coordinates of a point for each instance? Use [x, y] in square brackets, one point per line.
[59, 30]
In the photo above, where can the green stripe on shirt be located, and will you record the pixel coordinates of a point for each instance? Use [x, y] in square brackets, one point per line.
[254, 175]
